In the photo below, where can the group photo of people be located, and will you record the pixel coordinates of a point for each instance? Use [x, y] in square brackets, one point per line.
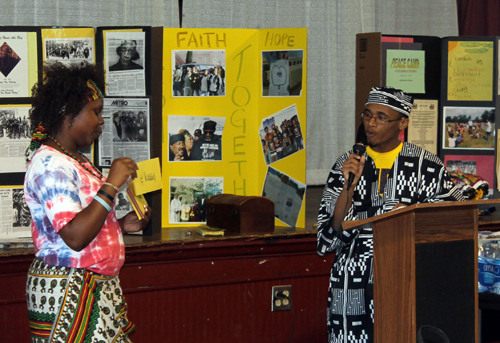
[195, 138]
[469, 128]
[199, 73]
[130, 126]
[281, 135]
[13, 126]
[466, 167]
[189, 195]
[69, 50]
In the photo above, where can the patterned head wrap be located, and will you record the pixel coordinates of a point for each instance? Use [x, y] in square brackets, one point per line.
[176, 138]
[95, 92]
[41, 132]
[391, 97]
[185, 132]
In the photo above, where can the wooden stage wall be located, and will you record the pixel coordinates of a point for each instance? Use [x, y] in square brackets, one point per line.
[210, 291]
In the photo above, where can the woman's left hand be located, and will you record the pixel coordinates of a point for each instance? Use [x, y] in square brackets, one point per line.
[131, 223]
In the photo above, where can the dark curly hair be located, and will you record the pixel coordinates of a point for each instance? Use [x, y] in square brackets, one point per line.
[64, 92]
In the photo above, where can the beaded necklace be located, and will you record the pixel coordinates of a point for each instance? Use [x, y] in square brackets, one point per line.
[97, 173]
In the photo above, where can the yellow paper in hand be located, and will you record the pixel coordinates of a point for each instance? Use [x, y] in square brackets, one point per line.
[148, 177]
[138, 202]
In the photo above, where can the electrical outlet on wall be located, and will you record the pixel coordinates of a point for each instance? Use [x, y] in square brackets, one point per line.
[281, 298]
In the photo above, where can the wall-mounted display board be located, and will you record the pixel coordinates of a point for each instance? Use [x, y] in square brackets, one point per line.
[454, 112]
[234, 120]
[235, 97]
[132, 60]
[20, 62]
[468, 106]
[410, 63]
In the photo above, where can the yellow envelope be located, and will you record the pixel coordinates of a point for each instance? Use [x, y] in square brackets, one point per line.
[148, 177]
[138, 202]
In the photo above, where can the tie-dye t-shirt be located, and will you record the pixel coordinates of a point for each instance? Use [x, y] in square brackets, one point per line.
[56, 189]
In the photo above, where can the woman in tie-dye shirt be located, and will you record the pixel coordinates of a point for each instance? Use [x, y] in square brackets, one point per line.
[73, 290]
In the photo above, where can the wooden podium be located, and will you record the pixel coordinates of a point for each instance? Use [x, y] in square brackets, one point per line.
[425, 270]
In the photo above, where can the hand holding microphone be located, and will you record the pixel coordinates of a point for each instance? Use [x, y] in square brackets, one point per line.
[359, 149]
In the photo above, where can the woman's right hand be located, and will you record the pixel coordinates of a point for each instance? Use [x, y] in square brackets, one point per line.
[121, 169]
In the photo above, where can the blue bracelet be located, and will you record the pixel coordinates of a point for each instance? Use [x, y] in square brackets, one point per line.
[103, 203]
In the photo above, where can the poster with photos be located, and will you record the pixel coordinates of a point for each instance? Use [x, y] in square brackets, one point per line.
[189, 195]
[198, 73]
[468, 128]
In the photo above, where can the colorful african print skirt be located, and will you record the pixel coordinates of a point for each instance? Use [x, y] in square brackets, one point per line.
[75, 305]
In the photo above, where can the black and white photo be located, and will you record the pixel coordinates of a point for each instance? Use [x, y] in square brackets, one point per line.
[15, 214]
[69, 50]
[126, 131]
[15, 136]
[125, 63]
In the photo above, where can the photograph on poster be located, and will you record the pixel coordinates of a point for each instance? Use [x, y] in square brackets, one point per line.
[15, 214]
[286, 193]
[15, 136]
[281, 135]
[480, 165]
[198, 72]
[282, 73]
[192, 138]
[189, 195]
[14, 81]
[469, 127]
[69, 50]
[125, 56]
[126, 130]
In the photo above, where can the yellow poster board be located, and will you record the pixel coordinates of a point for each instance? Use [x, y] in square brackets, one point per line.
[258, 79]
[470, 71]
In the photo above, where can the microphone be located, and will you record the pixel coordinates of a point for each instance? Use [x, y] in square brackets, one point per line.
[358, 149]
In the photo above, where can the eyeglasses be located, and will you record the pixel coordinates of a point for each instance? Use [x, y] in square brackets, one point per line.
[367, 116]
